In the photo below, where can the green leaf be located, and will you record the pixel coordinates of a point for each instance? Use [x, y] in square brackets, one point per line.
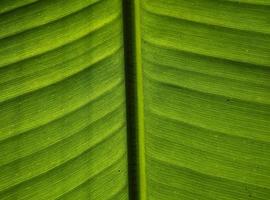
[135, 99]
[62, 101]
[207, 99]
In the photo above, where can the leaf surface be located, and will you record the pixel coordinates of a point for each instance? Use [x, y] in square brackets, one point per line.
[62, 100]
[206, 71]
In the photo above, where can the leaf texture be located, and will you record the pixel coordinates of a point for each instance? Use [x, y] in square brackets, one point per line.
[207, 99]
[62, 100]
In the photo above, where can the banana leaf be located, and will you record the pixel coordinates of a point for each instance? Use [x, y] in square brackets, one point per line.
[135, 99]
